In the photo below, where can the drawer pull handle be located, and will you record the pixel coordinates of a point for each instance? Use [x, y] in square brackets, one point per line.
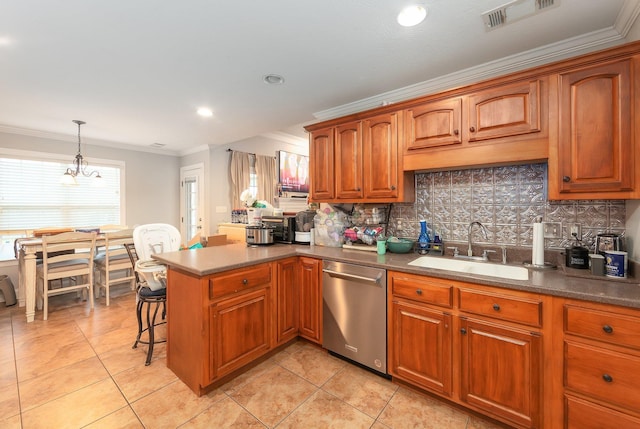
[607, 378]
[608, 329]
[245, 281]
[496, 307]
[419, 291]
[463, 331]
[472, 129]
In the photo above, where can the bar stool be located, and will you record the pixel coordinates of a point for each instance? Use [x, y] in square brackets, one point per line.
[145, 297]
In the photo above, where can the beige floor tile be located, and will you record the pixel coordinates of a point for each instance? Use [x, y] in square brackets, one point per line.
[478, 423]
[107, 321]
[9, 402]
[44, 336]
[55, 384]
[313, 364]
[273, 394]
[362, 389]
[172, 406]
[221, 415]
[239, 381]
[378, 425]
[141, 380]
[7, 370]
[114, 339]
[13, 422]
[124, 418]
[50, 360]
[123, 358]
[411, 410]
[323, 410]
[76, 409]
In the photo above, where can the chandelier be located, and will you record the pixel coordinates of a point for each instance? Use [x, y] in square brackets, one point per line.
[80, 165]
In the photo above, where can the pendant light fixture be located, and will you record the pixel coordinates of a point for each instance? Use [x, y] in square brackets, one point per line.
[80, 165]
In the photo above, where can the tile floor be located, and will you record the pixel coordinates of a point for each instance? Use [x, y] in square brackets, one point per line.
[78, 370]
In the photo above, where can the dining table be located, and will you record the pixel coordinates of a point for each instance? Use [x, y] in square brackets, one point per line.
[26, 250]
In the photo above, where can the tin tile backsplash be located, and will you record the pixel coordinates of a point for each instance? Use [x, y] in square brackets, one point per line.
[506, 200]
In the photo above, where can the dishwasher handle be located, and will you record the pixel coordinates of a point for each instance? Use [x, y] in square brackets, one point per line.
[352, 276]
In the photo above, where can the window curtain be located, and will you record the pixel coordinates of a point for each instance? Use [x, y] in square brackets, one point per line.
[267, 175]
[240, 175]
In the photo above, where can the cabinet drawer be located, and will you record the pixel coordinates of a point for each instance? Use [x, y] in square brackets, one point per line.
[606, 375]
[613, 328]
[511, 308]
[581, 414]
[422, 289]
[238, 280]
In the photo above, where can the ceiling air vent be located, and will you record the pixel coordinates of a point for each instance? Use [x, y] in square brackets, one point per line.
[514, 11]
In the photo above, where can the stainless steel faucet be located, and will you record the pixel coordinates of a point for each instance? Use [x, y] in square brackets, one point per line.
[484, 232]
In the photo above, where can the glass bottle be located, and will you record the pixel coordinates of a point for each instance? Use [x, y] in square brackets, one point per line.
[423, 238]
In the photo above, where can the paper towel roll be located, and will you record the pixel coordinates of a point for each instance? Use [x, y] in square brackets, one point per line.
[537, 256]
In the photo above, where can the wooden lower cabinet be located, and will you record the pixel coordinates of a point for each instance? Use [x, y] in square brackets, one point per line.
[501, 370]
[287, 301]
[449, 337]
[310, 288]
[240, 328]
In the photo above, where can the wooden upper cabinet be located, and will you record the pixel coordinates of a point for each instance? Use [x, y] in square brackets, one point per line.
[380, 156]
[348, 161]
[504, 111]
[595, 144]
[434, 124]
[322, 164]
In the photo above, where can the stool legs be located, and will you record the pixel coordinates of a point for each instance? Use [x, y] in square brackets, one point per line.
[151, 324]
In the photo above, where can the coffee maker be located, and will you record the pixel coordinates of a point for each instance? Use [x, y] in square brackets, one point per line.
[304, 224]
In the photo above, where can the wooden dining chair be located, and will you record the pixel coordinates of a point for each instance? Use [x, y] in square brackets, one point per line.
[112, 258]
[76, 268]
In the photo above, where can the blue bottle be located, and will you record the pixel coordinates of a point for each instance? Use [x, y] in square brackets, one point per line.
[423, 238]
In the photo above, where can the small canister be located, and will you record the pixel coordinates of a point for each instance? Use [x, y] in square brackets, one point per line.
[596, 262]
[615, 263]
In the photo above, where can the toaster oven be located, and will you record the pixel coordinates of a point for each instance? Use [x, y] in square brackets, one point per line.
[284, 228]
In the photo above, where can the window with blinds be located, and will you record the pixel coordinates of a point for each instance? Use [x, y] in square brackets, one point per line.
[32, 197]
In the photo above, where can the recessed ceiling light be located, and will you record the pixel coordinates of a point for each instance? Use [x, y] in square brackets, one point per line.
[273, 79]
[412, 15]
[5, 41]
[205, 111]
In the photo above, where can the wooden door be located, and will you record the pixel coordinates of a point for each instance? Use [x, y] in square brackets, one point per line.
[287, 300]
[420, 346]
[239, 330]
[501, 371]
[348, 161]
[595, 141]
[504, 111]
[434, 124]
[321, 167]
[380, 156]
[310, 281]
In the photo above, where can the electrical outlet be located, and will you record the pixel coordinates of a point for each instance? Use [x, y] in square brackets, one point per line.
[552, 229]
[576, 229]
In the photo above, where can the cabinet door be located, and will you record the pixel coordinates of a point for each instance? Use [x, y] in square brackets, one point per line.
[434, 124]
[311, 299]
[239, 330]
[501, 371]
[321, 168]
[348, 159]
[380, 155]
[287, 300]
[420, 346]
[595, 142]
[504, 111]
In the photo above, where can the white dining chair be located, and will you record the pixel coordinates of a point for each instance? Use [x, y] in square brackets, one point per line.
[112, 263]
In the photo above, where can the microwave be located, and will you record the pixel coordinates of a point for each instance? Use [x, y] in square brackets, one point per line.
[284, 228]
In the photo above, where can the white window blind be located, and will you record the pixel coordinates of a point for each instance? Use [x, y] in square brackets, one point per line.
[32, 197]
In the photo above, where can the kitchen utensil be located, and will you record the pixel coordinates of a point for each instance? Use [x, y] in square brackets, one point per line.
[259, 235]
[577, 257]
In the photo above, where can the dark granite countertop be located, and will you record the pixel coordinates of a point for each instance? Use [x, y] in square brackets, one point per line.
[563, 282]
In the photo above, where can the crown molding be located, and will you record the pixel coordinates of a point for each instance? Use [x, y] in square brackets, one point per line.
[553, 52]
[285, 138]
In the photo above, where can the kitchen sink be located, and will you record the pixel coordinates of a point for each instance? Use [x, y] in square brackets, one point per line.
[481, 268]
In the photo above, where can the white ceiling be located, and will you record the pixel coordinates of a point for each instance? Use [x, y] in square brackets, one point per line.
[137, 70]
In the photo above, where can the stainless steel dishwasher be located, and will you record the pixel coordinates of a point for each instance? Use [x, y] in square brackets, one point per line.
[354, 317]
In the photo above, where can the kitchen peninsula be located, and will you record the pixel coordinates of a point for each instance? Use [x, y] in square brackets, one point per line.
[229, 306]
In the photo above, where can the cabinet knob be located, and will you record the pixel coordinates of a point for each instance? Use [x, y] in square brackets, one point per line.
[496, 307]
[472, 129]
[463, 331]
[419, 291]
[358, 189]
[393, 187]
[566, 179]
[245, 281]
[608, 329]
[456, 132]
[607, 378]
